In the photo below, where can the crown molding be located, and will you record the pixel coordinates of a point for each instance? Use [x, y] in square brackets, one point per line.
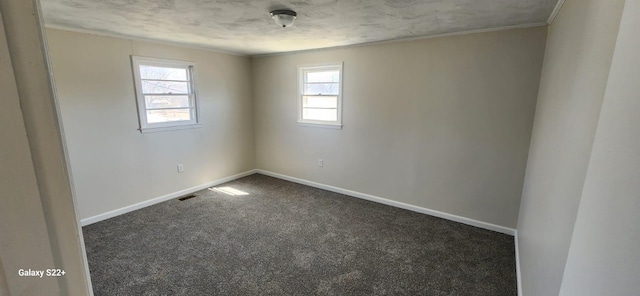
[494, 29]
[141, 39]
[555, 11]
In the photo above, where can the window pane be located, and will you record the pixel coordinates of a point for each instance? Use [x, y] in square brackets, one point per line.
[323, 76]
[164, 87]
[153, 102]
[319, 102]
[320, 114]
[156, 116]
[323, 88]
[163, 73]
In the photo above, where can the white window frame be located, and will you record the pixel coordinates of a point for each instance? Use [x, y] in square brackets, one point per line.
[302, 70]
[145, 126]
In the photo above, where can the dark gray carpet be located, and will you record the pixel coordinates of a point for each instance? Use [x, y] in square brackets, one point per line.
[290, 239]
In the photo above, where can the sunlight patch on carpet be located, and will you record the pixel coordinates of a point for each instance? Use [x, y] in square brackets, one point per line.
[228, 190]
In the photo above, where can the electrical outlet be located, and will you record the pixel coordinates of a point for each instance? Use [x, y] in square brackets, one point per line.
[180, 168]
[320, 162]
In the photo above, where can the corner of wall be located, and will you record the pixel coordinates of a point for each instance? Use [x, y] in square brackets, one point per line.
[555, 11]
[518, 275]
[580, 40]
[252, 86]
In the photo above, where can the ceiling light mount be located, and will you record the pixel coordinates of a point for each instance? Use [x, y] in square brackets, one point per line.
[284, 17]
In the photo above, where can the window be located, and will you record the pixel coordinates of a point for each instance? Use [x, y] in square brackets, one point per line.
[320, 99]
[166, 94]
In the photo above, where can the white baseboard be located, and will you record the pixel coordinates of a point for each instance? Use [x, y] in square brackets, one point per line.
[146, 203]
[460, 219]
[518, 277]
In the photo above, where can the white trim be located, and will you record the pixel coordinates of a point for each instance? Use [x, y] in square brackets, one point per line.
[518, 276]
[302, 81]
[369, 197]
[555, 12]
[322, 125]
[494, 29]
[194, 104]
[141, 39]
[169, 128]
[146, 203]
[67, 163]
[222, 51]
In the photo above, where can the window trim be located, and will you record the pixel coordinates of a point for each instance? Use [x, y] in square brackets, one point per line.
[302, 69]
[144, 126]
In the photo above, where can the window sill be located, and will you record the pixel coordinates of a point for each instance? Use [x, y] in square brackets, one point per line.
[321, 125]
[169, 128]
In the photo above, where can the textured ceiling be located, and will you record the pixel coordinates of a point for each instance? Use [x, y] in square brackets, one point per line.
[245, 26]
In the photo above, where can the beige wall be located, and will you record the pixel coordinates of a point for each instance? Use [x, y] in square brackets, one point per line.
[113, 164]
[441, 123]
[449, 130]
[603, 258]
[24, 239]
[38, 222]
[574, 77]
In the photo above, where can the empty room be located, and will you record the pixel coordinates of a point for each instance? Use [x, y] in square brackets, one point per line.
[315, 147]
